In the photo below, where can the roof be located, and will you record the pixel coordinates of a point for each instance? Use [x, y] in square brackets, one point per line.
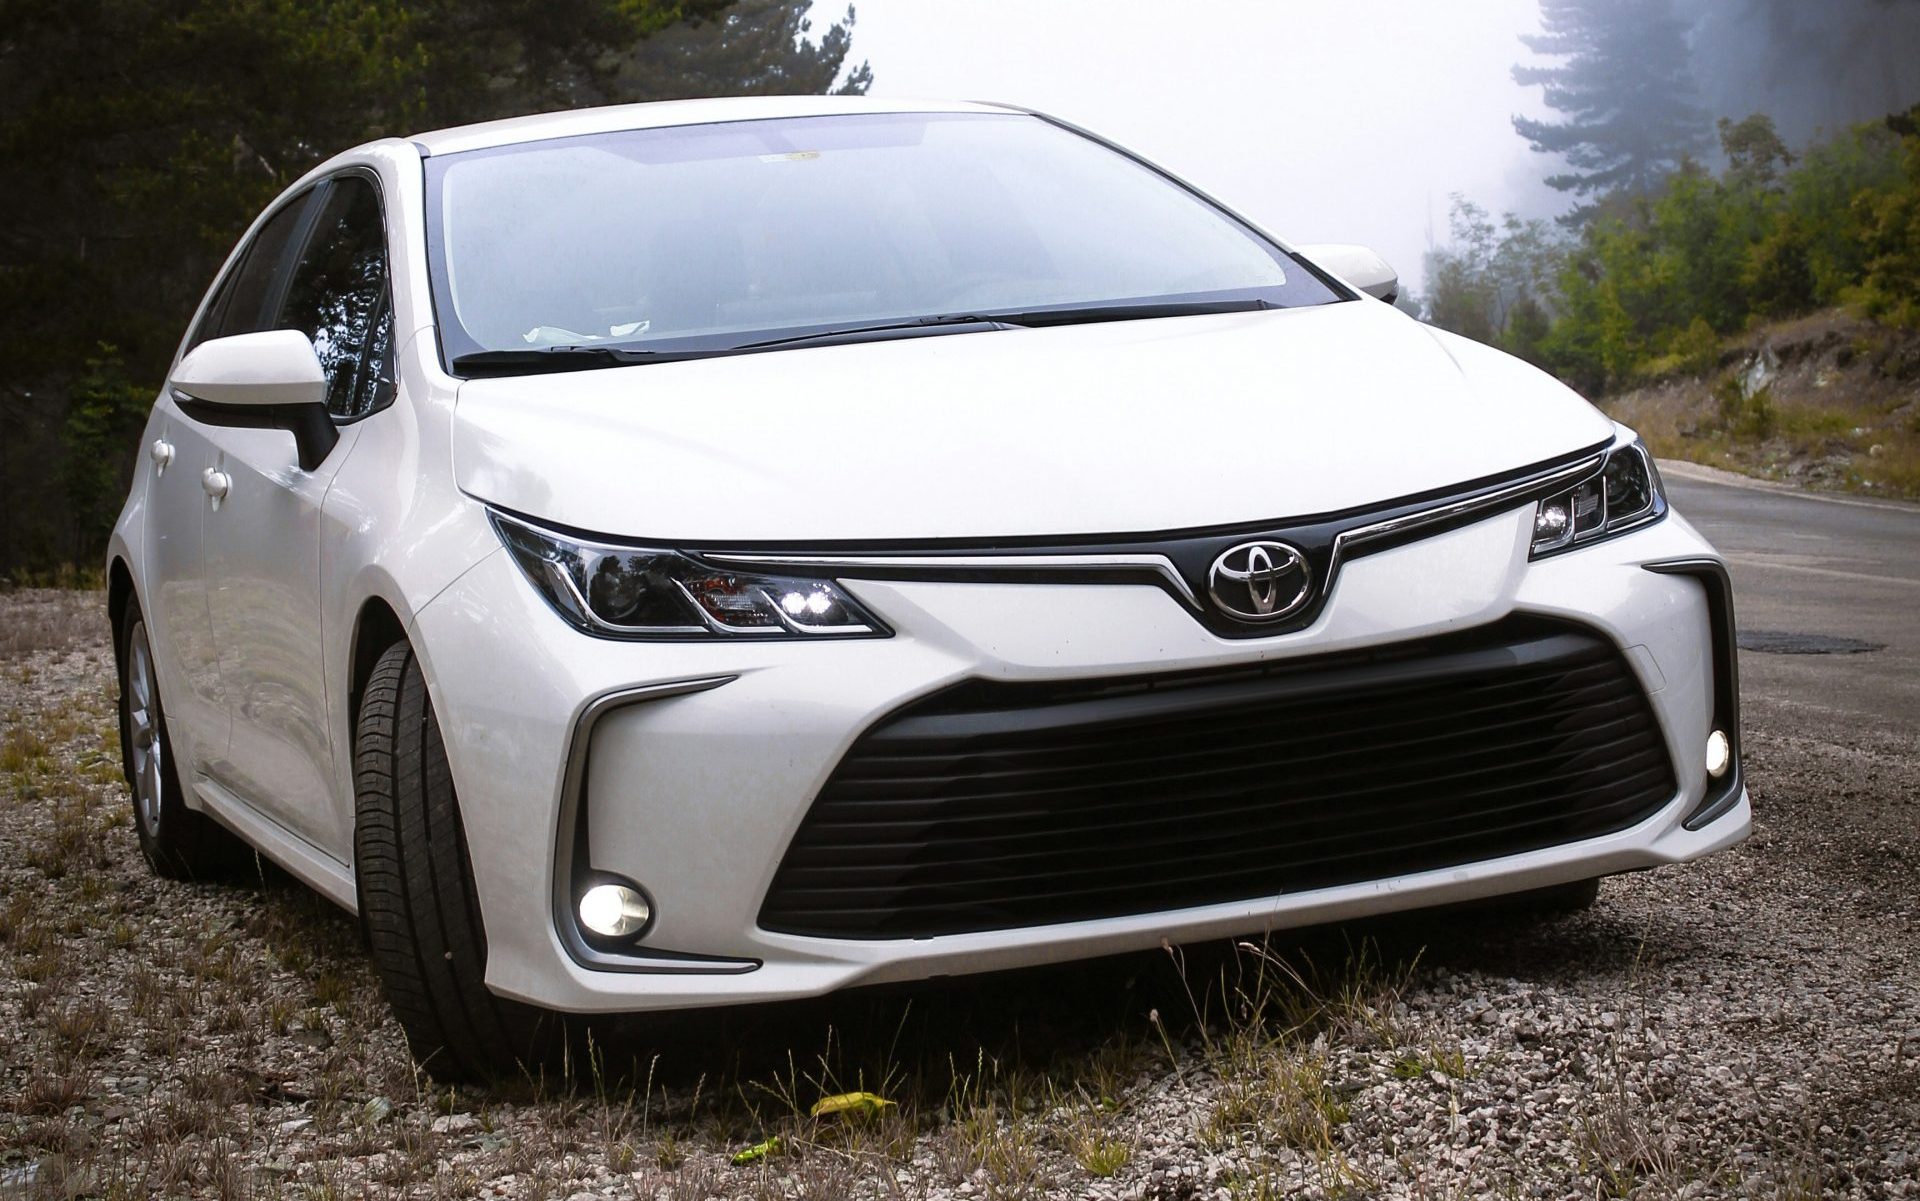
[671, 112]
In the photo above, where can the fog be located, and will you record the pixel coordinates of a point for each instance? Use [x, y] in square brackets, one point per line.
[1353, 120]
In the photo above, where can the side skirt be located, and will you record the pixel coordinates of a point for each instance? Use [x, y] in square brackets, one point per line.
[306, 862]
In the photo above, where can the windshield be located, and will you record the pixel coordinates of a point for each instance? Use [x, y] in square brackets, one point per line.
[710, 238]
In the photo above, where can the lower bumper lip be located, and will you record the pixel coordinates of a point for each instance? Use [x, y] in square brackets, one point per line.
[794, 967]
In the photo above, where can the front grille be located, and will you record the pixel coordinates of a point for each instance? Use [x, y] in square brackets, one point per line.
[993, 805]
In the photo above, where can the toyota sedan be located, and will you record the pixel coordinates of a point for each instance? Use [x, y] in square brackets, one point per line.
[713, 552]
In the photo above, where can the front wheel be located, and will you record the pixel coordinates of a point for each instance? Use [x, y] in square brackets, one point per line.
[416, 890]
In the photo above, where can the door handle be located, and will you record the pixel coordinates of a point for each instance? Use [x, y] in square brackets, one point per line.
[215, 484]
[161, 454]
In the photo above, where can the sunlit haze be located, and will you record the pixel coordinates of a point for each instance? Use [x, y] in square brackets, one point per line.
[1327, 121]
[1354, 120]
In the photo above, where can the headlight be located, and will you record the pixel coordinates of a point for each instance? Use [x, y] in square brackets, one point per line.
[637, 592]
[1625, 495]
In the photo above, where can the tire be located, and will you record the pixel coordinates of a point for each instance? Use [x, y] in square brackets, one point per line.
[417, 898]
[179, 843]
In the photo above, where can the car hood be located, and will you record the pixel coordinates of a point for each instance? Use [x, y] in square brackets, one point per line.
[1120, 427]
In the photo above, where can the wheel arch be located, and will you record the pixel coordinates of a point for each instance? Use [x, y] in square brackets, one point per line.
[119, 595]
[376, 626]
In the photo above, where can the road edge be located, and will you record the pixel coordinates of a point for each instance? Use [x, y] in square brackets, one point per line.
[1701, 473]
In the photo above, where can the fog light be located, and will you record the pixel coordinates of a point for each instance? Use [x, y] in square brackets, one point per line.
[1719, 754]
[614, 910]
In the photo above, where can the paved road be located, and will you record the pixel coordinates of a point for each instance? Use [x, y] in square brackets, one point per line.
[1804, 563]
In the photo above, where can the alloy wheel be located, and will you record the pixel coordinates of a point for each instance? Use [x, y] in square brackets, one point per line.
[143, 730]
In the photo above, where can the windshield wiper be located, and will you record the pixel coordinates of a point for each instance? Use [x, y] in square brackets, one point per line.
[573, 358]
[1145, 310]
[567, 358]
[576, 358]
[943, 323]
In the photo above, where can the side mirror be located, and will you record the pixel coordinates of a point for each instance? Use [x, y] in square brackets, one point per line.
[1358, 266]
[271, 379]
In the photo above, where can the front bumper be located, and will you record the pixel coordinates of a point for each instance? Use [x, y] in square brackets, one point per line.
[696, 793]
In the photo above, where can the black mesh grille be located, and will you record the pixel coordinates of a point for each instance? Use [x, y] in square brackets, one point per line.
[990, 805]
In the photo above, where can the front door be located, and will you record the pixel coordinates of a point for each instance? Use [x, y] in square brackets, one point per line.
[264, 538]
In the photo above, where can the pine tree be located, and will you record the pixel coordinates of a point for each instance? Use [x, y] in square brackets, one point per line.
[1626, 89]
[1814, 66]
[754, 48]
[138, 138]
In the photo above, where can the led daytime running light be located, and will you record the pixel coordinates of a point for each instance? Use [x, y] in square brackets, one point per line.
[637, 592]
[1624, 495]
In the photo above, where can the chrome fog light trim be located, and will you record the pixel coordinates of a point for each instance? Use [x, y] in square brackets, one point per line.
[615, 910]
[1719, 754]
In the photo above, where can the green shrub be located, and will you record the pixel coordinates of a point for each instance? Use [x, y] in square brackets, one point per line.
[1778, 272]
[1653, 282]
[1695, 349]
[104, 417]
[1744, 415]
[1889, 221]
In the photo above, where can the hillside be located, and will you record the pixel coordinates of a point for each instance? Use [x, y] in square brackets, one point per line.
[1829, 401]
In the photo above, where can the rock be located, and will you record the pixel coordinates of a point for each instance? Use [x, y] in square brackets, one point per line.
[20, 1179]
[1759, 372]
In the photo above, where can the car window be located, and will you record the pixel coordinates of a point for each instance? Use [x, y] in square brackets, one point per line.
[209, 324]
[337, 295]
[697, 237]
[240, 302]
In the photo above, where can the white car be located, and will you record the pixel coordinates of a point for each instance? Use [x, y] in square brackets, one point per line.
[713, 552]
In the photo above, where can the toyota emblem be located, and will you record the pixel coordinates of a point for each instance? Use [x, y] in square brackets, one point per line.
[1260, 581]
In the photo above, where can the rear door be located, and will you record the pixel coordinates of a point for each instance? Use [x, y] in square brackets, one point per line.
[263, 541]
[179, 459]
[175, 595]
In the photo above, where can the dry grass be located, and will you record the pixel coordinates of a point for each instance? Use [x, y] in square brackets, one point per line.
[50, 619]
[229, 1040]
[1276, 1088]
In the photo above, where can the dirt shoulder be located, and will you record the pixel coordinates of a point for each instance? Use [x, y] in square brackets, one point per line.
[1748, 1026]
[1828, 401]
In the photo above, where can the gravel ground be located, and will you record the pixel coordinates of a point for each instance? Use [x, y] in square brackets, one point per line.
[1747, 1026]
